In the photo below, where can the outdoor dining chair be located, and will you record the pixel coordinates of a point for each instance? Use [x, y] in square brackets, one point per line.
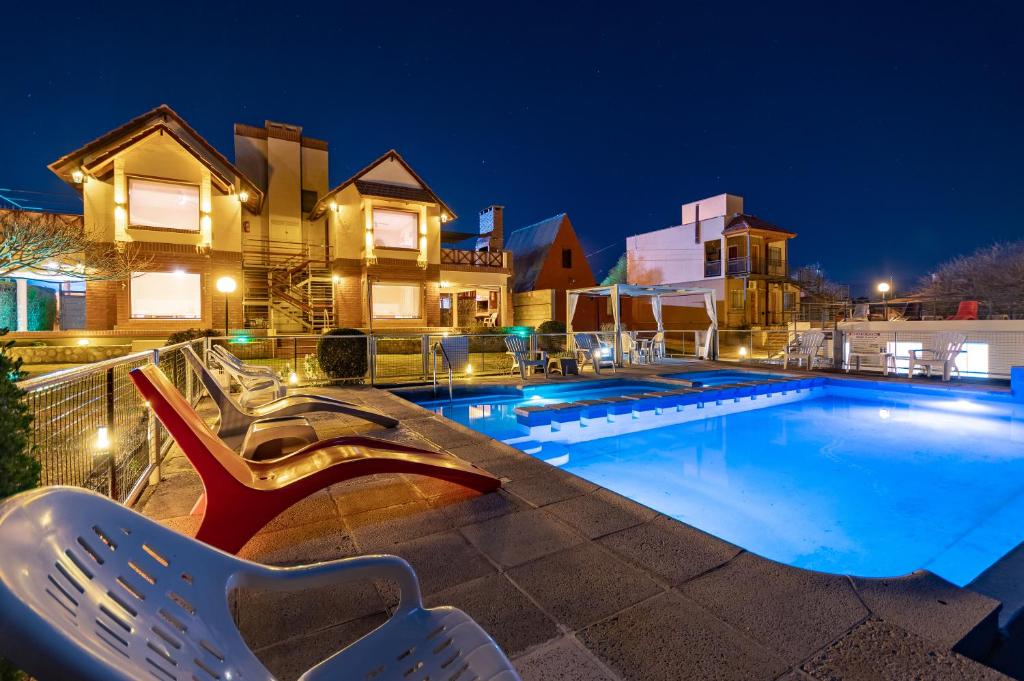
[523, 359]
[235, 419]
[241, 496]
[93, 591]
[943, 352]
[258, 383]
[589, 350]
[804, 350]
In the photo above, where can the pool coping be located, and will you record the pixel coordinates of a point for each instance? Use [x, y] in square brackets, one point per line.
[918, 601]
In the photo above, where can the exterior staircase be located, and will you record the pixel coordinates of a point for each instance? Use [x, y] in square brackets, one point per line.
[286, 289]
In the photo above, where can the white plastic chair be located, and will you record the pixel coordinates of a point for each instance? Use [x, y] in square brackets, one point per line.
[945, 347]
[632, 348]
[259, 384]
[805, 349]
[523, 359]
[93, 591]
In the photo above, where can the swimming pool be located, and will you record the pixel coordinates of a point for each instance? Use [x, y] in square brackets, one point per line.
[721, 376]
[848, 479]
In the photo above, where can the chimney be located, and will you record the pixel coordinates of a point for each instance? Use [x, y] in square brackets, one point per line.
[492, 228]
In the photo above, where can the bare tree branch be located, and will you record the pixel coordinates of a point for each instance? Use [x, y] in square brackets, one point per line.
[992, 275]
[54, 244]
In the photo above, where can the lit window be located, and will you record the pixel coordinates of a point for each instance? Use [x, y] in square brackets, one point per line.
[166, 295]
[395, 228]
[396, 301]
[168, 205]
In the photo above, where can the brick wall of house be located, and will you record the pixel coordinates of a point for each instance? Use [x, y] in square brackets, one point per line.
[108, 303]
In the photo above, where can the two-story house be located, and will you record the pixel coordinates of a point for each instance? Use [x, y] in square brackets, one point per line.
[304, 257]
[742, 257]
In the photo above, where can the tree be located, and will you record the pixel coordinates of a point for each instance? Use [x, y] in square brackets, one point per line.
[617, 274]
[41, 245]
[19, 470]
[815, 284]
[993, 275]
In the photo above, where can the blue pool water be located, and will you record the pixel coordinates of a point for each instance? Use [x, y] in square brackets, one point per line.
[723, 376]
[852, 481]
[494, 414]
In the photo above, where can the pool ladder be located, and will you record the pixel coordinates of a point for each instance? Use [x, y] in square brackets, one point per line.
[448, 363]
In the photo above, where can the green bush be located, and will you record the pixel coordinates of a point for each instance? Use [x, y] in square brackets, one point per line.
[343, 358]
[551, 344]
[8, 305]
[19, 470]
[190, 334]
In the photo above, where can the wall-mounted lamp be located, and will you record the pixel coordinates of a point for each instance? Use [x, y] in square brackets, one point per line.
[444, 217]
[243, 196]
[333, 205]
[77, 176]
[335, 278]
[83, 341]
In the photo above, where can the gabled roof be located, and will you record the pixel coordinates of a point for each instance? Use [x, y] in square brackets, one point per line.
[161, 120]
[742, 222]
[530, 246]
[385, 189]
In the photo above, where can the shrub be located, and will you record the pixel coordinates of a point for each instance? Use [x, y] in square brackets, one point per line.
[343, 358]
[549, 343]
[190, 334]
[19, 470]
[42, 308]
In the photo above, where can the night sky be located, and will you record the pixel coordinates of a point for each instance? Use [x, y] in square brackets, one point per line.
[889, 137]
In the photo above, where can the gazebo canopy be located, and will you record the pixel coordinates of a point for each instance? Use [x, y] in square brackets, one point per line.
[655, 292]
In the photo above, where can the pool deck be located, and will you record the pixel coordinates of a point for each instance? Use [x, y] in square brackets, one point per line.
[576, 582]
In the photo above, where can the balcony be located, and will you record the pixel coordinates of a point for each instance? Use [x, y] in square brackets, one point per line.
[747, 265]
[484, 259]
[712, 268]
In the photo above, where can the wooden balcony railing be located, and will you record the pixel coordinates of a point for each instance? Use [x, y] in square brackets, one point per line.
[454, 256]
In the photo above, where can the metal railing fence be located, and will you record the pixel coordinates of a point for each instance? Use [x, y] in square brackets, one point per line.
[92, 429]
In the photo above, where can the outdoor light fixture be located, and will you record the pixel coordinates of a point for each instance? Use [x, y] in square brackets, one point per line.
[883, 287]
[226, 285]
[743, 351]
[333, 205]
[83, 341]
[243, 196]
[444, 217]
[293, 378]
[469, 369]
[77, 176]
[335, 278]
[102, 439]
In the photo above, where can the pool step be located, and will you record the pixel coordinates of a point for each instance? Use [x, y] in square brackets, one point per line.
[592, 419]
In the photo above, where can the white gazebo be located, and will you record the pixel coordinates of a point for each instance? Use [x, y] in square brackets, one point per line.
[655, 293]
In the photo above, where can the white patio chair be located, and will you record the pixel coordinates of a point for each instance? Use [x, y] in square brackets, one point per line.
[491, 320]
[804, 350]
[943, 352]
[632, 348]
[93, 591]
[259, 384]
[861, 312]
[523, 359]
[590, 350]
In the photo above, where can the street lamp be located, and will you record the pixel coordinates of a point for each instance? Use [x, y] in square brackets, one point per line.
[226, 285]
[883, 288]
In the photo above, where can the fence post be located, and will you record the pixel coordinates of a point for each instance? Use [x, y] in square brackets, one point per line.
[188, 381]
[424, 351]
[111, 468]
[154, 445]
[371, 357]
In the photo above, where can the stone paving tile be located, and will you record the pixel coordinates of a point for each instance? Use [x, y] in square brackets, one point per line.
[881, 651]
[379, 529]
[669, 638]
[671, 550]
[549, 487]
[562, 660]
[441, 561]
[173, 497]
[502, 610]
[484, 454]
[269, 617]
[515, 466]
[353, 497]
[517, 538]
[601, 513]
[583, 584]
[173, 464]
[313, 509]
[300, 545]
[444, 435]
[793, 612]
[288, 660]
[929, 606]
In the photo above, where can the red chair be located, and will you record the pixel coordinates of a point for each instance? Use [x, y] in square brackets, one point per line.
[241, 496]
[968, 309]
